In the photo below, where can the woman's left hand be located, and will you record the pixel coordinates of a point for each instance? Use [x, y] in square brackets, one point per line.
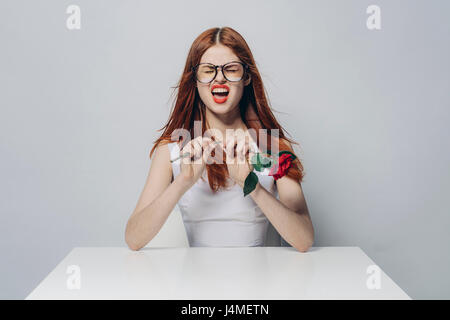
[238, 153]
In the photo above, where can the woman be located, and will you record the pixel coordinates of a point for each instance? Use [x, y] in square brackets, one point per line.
[222, 90]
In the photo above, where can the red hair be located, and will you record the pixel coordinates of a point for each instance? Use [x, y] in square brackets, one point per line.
[254, 106]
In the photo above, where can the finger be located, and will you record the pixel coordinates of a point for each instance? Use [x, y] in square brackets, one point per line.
[206, 141]
[188, 145]
[183, 141]
[187, 150]
[198, 139]
[250, 141]
[246, 150]
[251, 153]
[207, 153]
[220, 145]
[219, 152]
[198, 151]
[196, 142]
[230, 149]
[208, 145]
[241, 150]
[231, 145]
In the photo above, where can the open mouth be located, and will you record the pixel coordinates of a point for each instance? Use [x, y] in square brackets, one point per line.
[220, 93]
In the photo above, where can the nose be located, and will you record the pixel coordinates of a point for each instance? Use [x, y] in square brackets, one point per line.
[219, 76]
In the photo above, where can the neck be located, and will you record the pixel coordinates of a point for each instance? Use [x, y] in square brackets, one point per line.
[222, 122]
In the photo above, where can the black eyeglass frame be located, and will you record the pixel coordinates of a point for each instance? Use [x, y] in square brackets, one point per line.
[194, 70]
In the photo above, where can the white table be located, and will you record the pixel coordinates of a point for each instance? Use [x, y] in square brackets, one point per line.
[215, 273]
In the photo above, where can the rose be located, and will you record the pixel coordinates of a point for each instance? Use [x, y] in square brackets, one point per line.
[284, 162]
[260, 162]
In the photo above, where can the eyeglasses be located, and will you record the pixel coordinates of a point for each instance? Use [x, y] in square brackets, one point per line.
[232, 71]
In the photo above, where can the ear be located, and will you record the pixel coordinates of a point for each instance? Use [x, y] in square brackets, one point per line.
[248, 80]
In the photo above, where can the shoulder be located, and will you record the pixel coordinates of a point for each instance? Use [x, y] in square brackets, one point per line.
[296, 169]
[285, 145]
[164, 149]
[160, 150]
[286, 142]
[160, 158]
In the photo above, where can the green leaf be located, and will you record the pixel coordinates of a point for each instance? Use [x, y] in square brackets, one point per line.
[266, 162]
[255, 162]
[293, 156]
[250, 183]
[259, 162]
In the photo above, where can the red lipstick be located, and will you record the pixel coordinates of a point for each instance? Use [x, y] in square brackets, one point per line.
[222, 95]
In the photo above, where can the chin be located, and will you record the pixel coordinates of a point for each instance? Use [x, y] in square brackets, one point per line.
[220, 108]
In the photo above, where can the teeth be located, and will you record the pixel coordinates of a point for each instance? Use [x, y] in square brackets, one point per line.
[219, 90]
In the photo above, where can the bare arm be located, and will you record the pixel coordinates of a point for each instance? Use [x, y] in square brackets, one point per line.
[160, 195]
[289, 215]
[156, 202]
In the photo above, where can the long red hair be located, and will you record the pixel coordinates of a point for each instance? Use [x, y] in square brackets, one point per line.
[254, 106]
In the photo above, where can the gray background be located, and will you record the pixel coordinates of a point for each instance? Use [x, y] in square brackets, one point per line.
[370, 109]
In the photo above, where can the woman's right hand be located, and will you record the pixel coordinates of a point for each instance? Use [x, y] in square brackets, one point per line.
[192, 166]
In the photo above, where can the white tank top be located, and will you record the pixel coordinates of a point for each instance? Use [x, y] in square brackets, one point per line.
[225, 218]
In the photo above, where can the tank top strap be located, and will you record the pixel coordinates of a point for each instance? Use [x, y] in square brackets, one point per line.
[174, 151]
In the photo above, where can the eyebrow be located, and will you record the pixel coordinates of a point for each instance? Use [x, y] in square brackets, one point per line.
[223, 64]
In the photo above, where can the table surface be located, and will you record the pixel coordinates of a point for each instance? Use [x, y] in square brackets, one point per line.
[216, 273]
